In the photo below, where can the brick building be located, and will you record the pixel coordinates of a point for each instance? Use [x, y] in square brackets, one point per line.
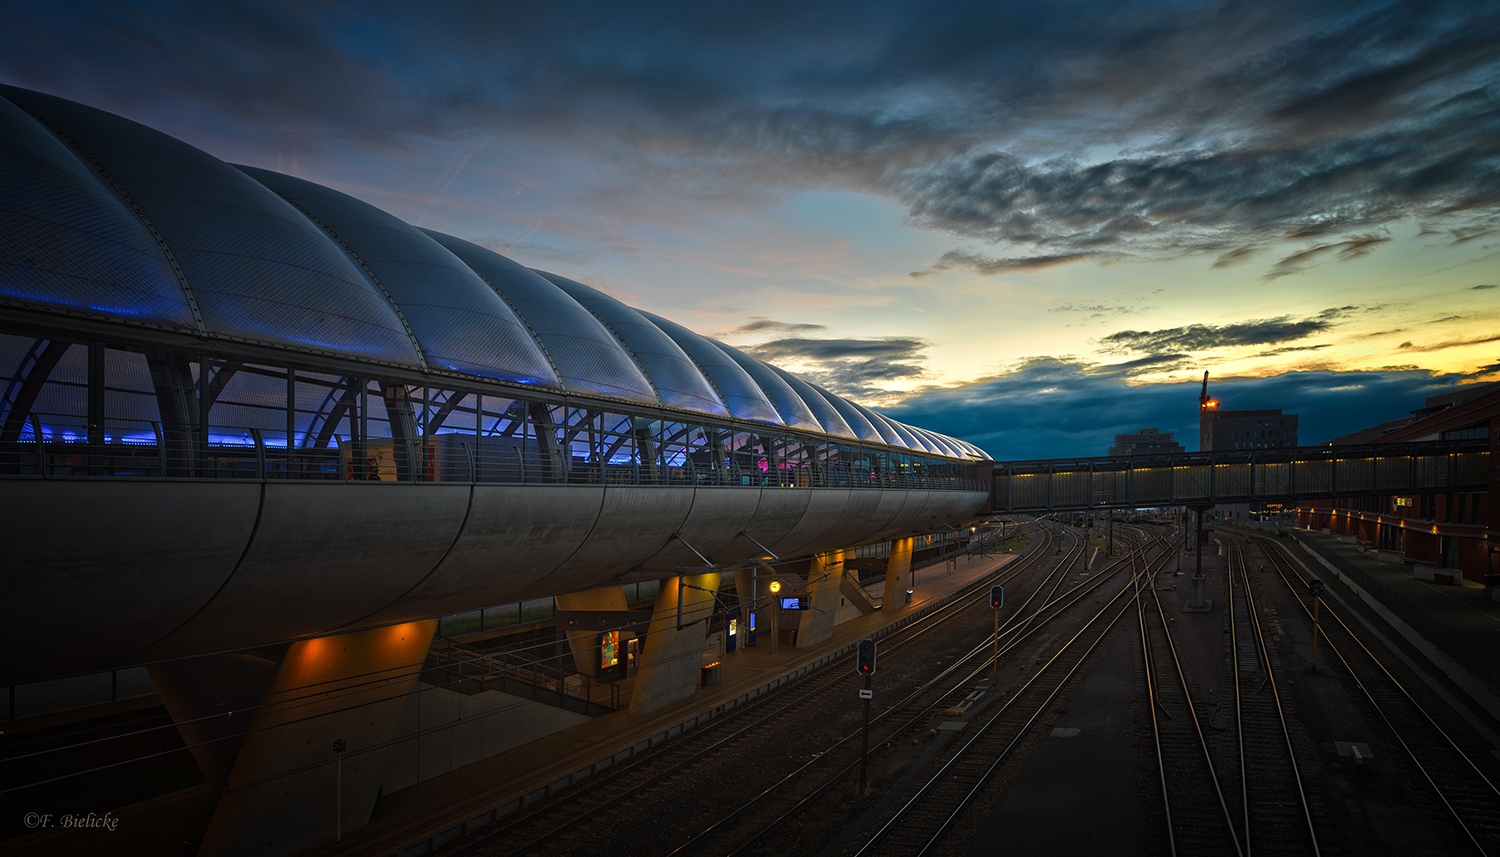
[1453, 531]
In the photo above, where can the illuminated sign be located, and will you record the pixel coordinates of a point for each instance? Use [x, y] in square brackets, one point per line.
[609, 650]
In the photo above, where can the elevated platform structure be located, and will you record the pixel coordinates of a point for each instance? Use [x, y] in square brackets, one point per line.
[242, 411]
[1242, 476]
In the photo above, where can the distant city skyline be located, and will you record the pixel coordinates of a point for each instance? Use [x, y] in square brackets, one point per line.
[1030, 226]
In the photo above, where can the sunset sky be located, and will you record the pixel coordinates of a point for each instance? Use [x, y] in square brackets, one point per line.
[1028, 225]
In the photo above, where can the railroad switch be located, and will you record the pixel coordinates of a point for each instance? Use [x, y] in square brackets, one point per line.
[1358, 754]
[962, 708]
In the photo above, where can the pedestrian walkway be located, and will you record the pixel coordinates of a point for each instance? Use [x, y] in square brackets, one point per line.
[1456, 626]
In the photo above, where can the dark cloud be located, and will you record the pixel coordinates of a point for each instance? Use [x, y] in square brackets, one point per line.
[858, 368]
[759, 323]
[1465, 235]
[1448, 343]
[1229, 127]
[1343, 251]
[1151, 364]
[1292, 348]
[959, 260]
[1485, 286]
[1053, 408]
[1201, 337]
[1099, 310]
[1237, 256]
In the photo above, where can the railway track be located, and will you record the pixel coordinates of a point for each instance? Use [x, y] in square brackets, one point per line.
[918, 823]
[1453, 786]
[759, 824]
[565, 821]
[1276, 812]
[1195, 810]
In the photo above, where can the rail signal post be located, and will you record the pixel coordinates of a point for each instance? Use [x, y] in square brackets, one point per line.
[865, 666]
[1316, 588]
[997, 600]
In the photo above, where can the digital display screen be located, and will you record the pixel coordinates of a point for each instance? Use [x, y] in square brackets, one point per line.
[794, 603]
[609, 650]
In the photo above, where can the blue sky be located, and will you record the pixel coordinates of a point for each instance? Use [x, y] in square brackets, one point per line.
[1029, 225]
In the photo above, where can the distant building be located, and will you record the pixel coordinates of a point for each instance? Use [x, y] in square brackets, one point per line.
[1430, 532]
[1262, 429]
[1220, 430]
[1147, 441]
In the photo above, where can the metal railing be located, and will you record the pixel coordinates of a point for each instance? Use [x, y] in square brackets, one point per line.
[37, 698]
[520, 676]
[1239, 476]
[150, 451]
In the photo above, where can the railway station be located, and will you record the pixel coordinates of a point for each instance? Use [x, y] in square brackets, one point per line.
[328, 534]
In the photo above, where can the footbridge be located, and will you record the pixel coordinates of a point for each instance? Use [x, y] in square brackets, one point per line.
[1286, 476]
[258, 436]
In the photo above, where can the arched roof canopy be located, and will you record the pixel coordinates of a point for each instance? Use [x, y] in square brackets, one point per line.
[107, 220]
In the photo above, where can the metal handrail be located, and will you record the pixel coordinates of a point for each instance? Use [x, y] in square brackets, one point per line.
[152, 450]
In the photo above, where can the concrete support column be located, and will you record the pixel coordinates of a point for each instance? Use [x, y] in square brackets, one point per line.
[749, 590]
[898, 574]
[823, 598]
[672, 656]
[212, 700]
[583, 643]
[290, 789]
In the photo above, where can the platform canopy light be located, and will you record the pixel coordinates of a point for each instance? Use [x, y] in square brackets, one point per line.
[775, 586]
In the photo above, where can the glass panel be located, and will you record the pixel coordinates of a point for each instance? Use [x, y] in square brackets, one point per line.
[504, 453]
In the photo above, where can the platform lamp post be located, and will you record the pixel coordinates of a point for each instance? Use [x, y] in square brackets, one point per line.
[775, 587]
[1198, 601]
[338, 789]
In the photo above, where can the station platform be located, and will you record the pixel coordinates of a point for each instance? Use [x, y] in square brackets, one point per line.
[423, 817]
[1456, 626]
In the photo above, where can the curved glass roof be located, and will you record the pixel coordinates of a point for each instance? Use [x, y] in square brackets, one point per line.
[734, 385]
[587, 357]
[861, 425]
[69, 240]
[832, 421]
[933, 439]
[677, 381]
[461, 324]
[106, 218]
[258, 270]
[793, 410]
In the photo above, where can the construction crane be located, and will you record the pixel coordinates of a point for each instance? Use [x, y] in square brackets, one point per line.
[1204, 402]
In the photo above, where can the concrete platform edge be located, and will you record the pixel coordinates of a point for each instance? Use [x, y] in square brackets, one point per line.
[1457, 674]
[431, 842]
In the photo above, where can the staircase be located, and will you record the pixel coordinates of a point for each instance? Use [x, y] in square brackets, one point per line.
[468, 670]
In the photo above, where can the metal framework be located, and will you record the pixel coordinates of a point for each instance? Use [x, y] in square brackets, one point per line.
[1241, 476]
